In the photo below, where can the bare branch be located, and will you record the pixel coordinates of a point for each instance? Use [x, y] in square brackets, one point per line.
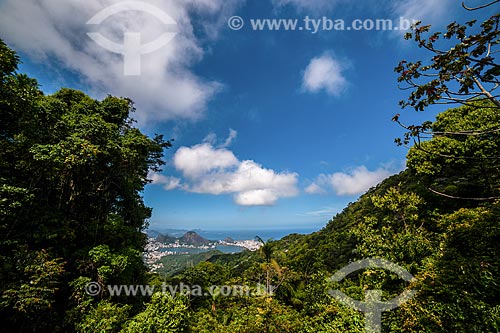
[469, 133]
[479, 7]
[486, 92]
[464, 133]
[419, 147]
[462, 198]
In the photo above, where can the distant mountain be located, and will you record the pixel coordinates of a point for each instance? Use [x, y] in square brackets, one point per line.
[171, 232]
[229, 240]
[152, 233]
[164, 238]
[192, 238]
[189, 238]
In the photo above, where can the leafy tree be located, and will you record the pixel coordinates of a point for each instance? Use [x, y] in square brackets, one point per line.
[72, 170]
[266, 251]
[104, 317]
[458, 166]
[34, 295]
[163, 314]
[275, 273]
[468, 65]
[458, 289]
[395, 230]
[463, 70]
[256, 315]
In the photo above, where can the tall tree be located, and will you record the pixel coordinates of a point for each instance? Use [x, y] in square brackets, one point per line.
[463, 70]
[461, 166]
[72, 170]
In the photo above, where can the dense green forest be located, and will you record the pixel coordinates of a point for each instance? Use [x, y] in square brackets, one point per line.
[73, 169]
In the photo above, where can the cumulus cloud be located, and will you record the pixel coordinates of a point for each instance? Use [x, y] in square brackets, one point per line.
[55, 32]
[353, 182]
[324, 73]
[314, 188]
[357, 181]
[216, 170]
[263, 197]
[203, 158]
[169, 183]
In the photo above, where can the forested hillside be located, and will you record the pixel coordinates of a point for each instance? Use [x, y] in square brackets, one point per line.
[451, 248]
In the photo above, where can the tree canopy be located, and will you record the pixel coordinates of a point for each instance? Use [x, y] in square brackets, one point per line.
[71, 176]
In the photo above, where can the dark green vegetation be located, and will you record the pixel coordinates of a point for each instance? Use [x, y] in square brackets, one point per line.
[175, 263]
[72, 169]
[71, 172]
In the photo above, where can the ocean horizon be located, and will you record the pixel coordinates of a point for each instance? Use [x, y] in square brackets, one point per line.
[242, 234]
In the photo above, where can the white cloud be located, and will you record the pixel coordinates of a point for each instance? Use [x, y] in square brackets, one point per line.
[211, 170]
[314, 189]
[358, 180]
[353, 182]
[324, 73]
[232, 135]
[263, 197]
[427, 11]
[55, 32]
[202, 159]
[169, 183]
[211, 138]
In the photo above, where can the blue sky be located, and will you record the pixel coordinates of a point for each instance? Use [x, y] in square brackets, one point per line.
[272, 129]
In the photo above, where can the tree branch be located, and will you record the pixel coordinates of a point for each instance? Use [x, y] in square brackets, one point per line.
[462, 198]
[479, 7]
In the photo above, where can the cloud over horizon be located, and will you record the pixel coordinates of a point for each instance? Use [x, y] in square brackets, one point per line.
[353, 182]
[207, 169]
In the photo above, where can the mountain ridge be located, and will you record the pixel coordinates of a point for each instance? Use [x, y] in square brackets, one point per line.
[189, 238]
